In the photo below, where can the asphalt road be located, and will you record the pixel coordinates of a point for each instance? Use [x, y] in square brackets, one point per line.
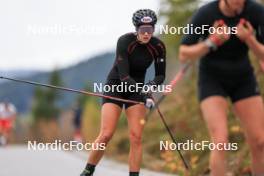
[19, 161]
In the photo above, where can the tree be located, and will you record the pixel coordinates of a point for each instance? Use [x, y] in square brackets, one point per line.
[44, 106]
[176, 13]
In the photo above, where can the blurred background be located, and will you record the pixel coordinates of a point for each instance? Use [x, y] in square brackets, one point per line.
[72, 44]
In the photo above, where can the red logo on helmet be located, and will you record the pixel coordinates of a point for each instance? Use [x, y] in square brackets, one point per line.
[146, 19]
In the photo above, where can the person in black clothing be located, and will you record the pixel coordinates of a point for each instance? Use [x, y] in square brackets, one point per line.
[135, 52]
[78, 111]
[225, 71]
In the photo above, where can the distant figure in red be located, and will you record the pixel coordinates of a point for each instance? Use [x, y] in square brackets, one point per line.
[7, 117]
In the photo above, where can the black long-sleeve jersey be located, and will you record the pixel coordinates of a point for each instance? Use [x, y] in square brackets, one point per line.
[133, 58]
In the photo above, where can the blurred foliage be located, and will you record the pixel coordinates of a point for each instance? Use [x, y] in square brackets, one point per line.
[44, 105]
[90, 119]
[81, 99]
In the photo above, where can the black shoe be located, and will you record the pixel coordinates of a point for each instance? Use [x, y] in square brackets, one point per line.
[86, 173]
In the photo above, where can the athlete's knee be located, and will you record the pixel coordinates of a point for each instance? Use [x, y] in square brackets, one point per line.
[135, 139]
[219, 136]
[104, 137]
[257, 144]
[221, 140]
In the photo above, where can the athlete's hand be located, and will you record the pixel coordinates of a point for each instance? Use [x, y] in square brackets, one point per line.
[149, 103]
[148, 100]
[221, 35]
[244, 30]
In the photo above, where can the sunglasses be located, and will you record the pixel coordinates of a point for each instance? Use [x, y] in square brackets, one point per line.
[145, 29]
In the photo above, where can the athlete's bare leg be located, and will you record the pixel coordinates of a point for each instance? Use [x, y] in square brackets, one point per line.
[110, 114]
[251, 114]
[214, 111]
[135, 115]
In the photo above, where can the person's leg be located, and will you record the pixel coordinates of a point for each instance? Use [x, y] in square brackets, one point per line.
[110, 114]
[135, 115]
[2, 137]
[251, 114]
[6, 129]
[214, 111]
[1, 127]
[77, 124]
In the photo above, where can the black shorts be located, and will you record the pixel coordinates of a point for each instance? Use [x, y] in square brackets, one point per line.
[236, 87]
[135, 96]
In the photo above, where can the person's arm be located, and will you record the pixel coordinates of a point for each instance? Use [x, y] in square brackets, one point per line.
[160, 73]
[192, 52]
[191, 47]
[246, 31]
[256, 47]
[160, 65]
[122, 63]
[198, 50]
